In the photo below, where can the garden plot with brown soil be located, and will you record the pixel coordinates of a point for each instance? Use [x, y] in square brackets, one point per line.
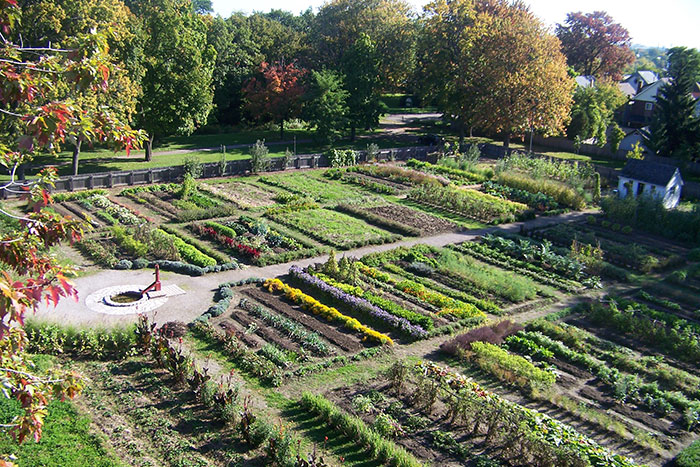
[244, 195]
[426, 223]
[151, 421]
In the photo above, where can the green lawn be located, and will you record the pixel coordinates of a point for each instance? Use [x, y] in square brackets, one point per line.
[66, 440]
[105, 160]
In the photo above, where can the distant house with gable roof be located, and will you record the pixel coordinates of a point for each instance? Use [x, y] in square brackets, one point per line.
[640, 108]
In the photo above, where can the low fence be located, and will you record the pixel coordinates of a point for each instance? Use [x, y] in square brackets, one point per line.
[302, 161]
[212, 169]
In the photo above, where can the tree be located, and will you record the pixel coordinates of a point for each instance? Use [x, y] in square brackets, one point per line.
[275, 94]
[58, 22]
[31, 274]
[177, 91]
[593, 111]
[326, 104]
[637, 152]
[616, 137]
[502, 71]
[445, 56]
[277, 41]
[595, 45]
[389, 23]
[362, 81]
[237, 59]
[675, 129]
[202, 7]
[648, 58]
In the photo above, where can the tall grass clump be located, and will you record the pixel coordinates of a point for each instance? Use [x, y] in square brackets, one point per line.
[561, 193]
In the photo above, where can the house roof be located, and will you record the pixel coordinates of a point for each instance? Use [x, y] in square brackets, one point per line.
[644, 131]
[649, 172]
[627, 89]
[649, 77]
[585, 81]
[648, 93]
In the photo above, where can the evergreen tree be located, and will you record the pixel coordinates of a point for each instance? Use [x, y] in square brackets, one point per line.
[675, 129]
[326, 107]
[362, 81]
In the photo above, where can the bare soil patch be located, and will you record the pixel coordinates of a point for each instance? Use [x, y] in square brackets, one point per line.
[426, 223]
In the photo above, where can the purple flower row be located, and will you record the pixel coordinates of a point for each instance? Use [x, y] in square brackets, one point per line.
[360, 304]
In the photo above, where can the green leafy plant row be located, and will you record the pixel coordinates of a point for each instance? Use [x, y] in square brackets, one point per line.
[355, 429]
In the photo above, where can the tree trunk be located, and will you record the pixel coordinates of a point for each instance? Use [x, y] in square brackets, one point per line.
[461, 134]
[282, 130]
[352, 133]
[149, 149]
[506, 141]
[76, 155]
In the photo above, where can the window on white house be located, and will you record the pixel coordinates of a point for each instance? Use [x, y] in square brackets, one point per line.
[648, 106]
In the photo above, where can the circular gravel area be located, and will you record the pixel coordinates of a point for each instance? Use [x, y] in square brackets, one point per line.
[100, 302]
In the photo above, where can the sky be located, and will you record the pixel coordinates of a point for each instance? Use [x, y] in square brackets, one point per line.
[650, 22]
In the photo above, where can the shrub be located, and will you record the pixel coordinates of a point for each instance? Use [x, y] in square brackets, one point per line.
[123, 264]
[113, 343]
[140, 263]
[468, 203]
[493, 334]
[648, 214]
[193, 166]
[342, 158]
[259, 157]
[189, 252]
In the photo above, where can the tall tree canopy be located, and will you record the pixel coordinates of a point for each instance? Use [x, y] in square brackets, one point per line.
[275, 94]
[34, 117]
[491, 63]
[388, 23]
[675, 129]
[237, 58]
[595, 45]
[593, 111]
[58, 22]
[326, 105]
[362, 82]
[177, 83]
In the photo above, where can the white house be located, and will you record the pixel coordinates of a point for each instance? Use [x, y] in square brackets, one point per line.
[644, 178]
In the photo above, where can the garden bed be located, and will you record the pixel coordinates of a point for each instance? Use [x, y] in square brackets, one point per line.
[334, 228]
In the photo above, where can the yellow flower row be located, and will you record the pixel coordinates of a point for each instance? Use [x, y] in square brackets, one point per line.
[331, 314]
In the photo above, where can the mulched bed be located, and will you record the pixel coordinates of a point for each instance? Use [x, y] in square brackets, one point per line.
[263, 330]
[426, 223]
[344, 341]
[596, 393]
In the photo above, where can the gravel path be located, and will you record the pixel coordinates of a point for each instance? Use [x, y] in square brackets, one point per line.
[200, 290]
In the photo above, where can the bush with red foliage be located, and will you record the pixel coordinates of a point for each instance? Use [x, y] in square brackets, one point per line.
[494, 334]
